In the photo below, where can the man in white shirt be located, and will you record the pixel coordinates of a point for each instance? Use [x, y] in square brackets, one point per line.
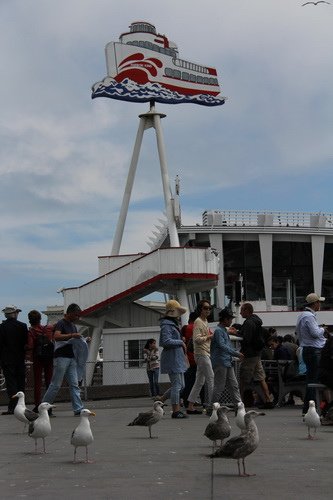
[311, 339]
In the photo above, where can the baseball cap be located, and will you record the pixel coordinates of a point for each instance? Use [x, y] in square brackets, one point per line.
[313, 297]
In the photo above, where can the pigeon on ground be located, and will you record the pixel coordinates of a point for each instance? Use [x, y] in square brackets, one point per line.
[220, 429]
[312, 419]
[239, 420]
[213, 417]
[21, 412]
[151, 417]
[239, 447]
[82, 435]
[41, 427]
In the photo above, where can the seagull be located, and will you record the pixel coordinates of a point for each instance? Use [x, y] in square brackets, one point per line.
[82, 435]
[41, 427]
[21, 412]
[316, 3]
[312, 419]
[213, 417]
[220, 429]
[239, 420]
[239, 447]
[151, 417]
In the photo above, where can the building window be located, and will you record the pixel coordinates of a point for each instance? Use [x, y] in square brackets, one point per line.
[243, 257]
[133, 353]
[292, 277]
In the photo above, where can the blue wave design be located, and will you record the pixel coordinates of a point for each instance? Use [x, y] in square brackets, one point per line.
[128, 90]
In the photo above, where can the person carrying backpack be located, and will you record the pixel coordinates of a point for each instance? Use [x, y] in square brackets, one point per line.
[252, 343]
[40, 349]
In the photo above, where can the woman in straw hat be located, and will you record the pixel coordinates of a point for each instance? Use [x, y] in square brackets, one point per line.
[173, 360]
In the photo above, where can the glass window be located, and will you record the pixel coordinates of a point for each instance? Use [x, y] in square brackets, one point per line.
[133, 353]
[243, 257]
[292, 276]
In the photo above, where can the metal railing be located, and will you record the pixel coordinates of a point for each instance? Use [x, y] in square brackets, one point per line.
[266, 218]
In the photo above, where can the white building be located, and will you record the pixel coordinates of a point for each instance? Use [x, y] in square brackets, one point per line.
[281, 257]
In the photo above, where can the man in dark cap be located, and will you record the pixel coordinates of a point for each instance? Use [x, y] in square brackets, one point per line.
[13, 341]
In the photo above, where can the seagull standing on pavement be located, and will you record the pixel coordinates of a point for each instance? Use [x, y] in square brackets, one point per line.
[213, 417]
[220, 429]
[239, 420]
[82, 435]
[151, 417]
[41, 427]
[21, 412]
[239, 447]
[312, 419]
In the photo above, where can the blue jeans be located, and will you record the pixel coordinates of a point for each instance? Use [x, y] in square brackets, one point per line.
[153, 381]
[177, 385]
[311, 358]
[64, 368]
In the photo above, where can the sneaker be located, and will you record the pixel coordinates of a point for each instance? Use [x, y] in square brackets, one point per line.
[51, 414]
[77, 413]
[178, 414]
[194, 412]
[7, 413]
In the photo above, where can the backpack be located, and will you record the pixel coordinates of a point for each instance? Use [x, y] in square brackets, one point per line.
[44, 347]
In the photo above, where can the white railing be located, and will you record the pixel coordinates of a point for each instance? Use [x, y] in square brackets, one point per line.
[167, 263]
[266, 218]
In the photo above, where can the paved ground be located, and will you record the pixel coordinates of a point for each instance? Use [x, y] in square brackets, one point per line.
[129, 465]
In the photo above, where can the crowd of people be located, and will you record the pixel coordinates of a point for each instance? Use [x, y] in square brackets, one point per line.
[57, 352]
[200, 363]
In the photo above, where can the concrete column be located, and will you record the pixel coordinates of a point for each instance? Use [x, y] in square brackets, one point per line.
[318, 247]
[266, 250]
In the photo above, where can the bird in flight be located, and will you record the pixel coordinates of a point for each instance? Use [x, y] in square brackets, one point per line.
[315, 3]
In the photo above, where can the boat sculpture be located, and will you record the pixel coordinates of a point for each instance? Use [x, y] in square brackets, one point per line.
[144, 66]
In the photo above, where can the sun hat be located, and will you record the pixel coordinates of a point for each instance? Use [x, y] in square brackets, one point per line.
[174, 309]
[11, 309]
[313, 297]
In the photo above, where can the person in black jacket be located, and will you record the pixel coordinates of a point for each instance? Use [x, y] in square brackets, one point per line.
[13, 341]
[251, 369]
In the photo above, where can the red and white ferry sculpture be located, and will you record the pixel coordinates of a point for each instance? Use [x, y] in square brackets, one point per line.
[143, 55]
[145, 66]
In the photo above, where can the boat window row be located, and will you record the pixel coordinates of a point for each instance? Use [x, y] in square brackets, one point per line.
[190, 66]
[143, 27]
[152, 46]
[190, 77]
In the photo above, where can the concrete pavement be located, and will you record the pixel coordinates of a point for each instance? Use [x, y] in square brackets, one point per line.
[128, 465]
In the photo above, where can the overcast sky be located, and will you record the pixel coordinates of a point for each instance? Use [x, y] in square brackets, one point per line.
[64, 157]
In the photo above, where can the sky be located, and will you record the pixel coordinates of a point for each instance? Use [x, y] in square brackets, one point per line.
[64, 157]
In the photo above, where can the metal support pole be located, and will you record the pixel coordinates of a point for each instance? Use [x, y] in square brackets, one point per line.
[174, 239]
[118, 236]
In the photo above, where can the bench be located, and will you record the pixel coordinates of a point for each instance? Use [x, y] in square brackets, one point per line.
[277, 370]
